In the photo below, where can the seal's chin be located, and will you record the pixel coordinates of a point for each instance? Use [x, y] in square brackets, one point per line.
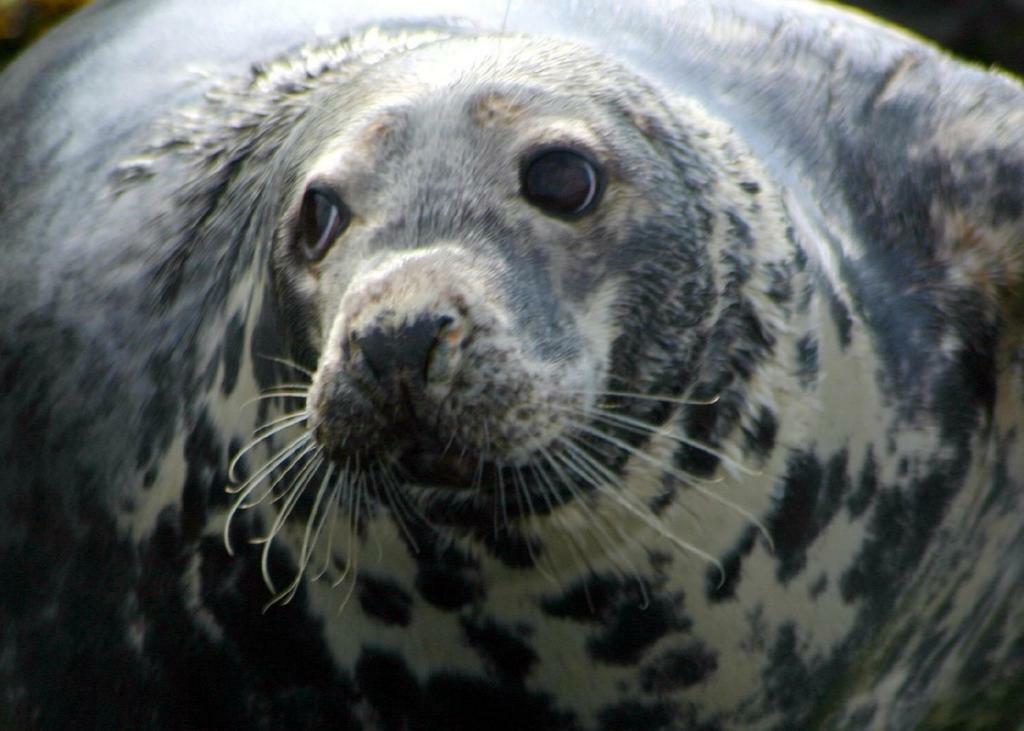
[459, 486]
[427, 467]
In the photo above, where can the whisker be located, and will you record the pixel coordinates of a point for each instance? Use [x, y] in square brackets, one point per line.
[641, 512]
[501, 494]
[277, 395]
[355, 489]
[311, 535]
[642, 427]
[374, 487]
[548, 494]
[269, 490]
[278, 425]
[649, 397]
[284, 420]
[249, 485]
[288, 593]
[638, 426]
[679, 475]
[396, 501]
[599, 522]
[286, 362]
[335, 506]
[301, 475]
[293, 494]
[270, 465]
[352, 557]
[522, 492]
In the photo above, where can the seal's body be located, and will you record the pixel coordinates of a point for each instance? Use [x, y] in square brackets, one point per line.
[669, 385]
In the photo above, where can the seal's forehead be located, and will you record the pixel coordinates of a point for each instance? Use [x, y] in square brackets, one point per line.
[533, 60]
[393, 121]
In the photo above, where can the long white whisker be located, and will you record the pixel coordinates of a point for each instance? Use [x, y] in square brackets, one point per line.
[293, 494]
[393, 493]
[310, 536]
[640, 512]
[595, 521]
[523, 493]
[335, 506]
[261, 474]
[249, 485]
[352, 558]
[278, 425]
[286, 362]
[549, 494]
[277, 395]
[269, 490]
[650, 397]
[679, 475]
[642, 427]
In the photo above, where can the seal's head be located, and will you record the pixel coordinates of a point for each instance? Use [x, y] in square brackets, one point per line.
[477, 252]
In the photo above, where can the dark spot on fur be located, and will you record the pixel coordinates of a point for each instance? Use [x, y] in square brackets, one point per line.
[898, 534]
[818, 587]
[385, 680]
[205, 476]
[810, 497]
[678, 668]
[967, 387]
[799, 255]
[455, 702]
[867, 485]
[739, 229]
[721, 585]
[1006, 198]
[282, 651]
[506, 655]
[862, 717]
[842, 319]
[234, 342]
[633, 629]
[759, 438]
[159, 415]
[657, 716]
[750, 187]
[510, 546]
[585, 601]
[807, 360]
[780, 282]
[666, 496]
[629, 622]
[786, 677]
[384, 600]
[447, 578]
[698, 423]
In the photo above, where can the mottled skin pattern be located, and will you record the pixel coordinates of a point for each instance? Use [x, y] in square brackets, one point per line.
[805, 266]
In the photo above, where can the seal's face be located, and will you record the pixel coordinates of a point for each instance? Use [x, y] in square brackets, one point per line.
[465, 257]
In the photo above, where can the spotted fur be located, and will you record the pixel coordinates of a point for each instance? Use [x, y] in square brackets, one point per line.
[738, 450]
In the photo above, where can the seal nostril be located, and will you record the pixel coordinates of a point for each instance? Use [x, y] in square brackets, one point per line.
[404, 351]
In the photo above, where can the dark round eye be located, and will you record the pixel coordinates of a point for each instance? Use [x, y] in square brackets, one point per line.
[322, 220]
[562, 181]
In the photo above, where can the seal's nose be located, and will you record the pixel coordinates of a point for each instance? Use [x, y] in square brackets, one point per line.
[404, 351]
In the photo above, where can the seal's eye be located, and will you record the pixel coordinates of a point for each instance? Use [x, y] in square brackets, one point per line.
[323, 219]
[562, 181]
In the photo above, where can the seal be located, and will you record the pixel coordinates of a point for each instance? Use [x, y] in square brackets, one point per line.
[432, 373]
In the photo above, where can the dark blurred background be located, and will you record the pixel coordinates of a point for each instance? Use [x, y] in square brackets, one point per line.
[987, 31]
